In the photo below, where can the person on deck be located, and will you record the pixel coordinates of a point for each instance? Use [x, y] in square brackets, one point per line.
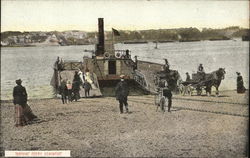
[166, 66]
[135, 63]
[127, 56]
[122, 91]
[188, 77]
[23, 113]
[240, 84]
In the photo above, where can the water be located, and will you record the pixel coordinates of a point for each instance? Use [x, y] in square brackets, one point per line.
[34, 65]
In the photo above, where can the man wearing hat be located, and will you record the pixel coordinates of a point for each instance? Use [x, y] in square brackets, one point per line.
[23, 113]
[240, 84]
[121, 92]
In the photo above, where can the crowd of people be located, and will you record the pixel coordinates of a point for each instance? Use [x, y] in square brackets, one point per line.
[70, 91]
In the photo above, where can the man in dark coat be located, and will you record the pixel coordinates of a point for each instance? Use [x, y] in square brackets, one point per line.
[23, 113]
[122, 91]
[240, 84]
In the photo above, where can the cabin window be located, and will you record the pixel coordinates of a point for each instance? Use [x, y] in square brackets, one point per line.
[112, 67]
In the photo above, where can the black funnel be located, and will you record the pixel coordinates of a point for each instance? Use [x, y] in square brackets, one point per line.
[100, 45]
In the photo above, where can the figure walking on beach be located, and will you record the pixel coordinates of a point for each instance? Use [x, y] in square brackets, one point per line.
[122, 91]
[23, 113]
[240, 84]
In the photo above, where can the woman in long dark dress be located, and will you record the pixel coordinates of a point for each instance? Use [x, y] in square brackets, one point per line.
[23, 112]
[240, 84]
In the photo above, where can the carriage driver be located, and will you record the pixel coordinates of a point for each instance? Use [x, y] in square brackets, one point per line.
[200, 68]
[201, 72]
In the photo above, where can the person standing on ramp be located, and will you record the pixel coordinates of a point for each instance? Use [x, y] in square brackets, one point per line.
[122, 91]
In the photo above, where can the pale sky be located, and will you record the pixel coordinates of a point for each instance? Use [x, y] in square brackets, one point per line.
[50, 15]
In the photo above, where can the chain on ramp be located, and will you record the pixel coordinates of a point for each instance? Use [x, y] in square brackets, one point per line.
[210, 111]
[199, 110]
[209, 101]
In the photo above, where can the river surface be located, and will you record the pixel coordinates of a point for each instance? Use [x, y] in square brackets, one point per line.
[34, 65]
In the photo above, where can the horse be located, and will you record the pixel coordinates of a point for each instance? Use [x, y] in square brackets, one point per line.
[172, 77]
[214, 79]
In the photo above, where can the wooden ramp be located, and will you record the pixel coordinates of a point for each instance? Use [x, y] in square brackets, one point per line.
[145, 78]
[145, 75]
[69, 75]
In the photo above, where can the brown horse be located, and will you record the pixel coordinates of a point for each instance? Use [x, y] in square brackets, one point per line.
[214, 79]
[172, 77]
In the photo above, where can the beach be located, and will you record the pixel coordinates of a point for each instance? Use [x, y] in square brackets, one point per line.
[197, 126]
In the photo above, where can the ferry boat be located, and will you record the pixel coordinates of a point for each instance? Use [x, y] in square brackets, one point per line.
[107, 64]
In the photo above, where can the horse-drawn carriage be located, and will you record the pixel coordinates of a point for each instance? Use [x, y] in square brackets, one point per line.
[202, 80]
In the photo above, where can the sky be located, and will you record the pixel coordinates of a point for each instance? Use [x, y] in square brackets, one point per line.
[51, 15]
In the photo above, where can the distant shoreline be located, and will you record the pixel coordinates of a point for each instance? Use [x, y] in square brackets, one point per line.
[125, 42]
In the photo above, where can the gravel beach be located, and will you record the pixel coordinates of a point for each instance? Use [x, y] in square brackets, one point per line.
[198, 126]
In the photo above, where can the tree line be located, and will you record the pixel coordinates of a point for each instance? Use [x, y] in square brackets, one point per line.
[179, 34]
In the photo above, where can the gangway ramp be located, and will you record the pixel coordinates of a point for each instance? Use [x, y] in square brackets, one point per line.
[145, 75]
[94, 91]
[145, 78]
